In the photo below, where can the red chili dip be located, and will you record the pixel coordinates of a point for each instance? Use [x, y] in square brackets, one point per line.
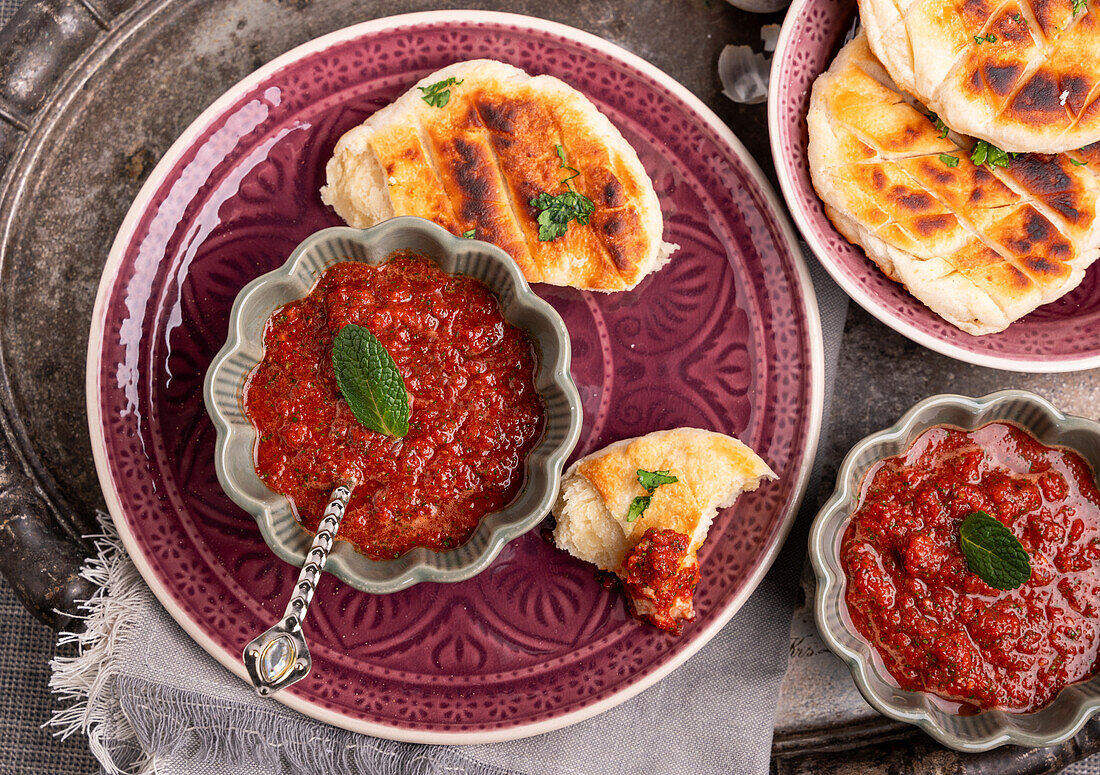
[659, 580]
[937, 626]
[474, 412]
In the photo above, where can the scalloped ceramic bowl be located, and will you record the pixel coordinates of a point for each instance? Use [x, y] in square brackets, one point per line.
[244, 349]
[1073, 706]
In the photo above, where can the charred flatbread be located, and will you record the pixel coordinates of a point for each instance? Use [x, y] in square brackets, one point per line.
[1024, 76]
[981, 245]
[475, 158]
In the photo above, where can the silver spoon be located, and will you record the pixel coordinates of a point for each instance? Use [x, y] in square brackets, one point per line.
[280, 657]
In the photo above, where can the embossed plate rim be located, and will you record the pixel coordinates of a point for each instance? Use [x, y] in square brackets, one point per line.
[805, 297]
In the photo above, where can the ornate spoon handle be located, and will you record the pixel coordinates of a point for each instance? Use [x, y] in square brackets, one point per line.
[280, 656]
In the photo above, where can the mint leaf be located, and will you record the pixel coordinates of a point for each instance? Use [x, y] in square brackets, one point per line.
[438, 94]
[651, 480]
[950, 161]
[638, 507]
[370, 382]
[992, 552]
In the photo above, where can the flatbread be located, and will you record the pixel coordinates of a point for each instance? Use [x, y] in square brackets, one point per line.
[981, 246]
[474, 165]
[1023, 76]
[593, 509]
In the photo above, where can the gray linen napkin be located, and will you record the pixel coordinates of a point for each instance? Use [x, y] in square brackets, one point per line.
[151, 701]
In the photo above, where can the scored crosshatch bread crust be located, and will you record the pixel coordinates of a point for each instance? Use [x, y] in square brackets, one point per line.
[591, 512]
[1025, 76]
[477, 162]
[981, 246]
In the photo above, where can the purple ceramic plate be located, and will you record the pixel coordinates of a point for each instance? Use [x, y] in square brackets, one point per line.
[1061, 336]
[725, 337]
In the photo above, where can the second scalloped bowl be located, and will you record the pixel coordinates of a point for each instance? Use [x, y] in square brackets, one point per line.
[1073, 706]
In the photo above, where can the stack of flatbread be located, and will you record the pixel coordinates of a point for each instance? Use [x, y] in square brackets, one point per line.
[952, 142]
[470, 146]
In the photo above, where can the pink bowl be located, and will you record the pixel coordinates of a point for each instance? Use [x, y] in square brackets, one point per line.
[1061, 336]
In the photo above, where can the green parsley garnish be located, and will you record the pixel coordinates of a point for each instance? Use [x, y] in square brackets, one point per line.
[1076, 163]
[650, 481]
[991, 155]
[990, 38]
[558, 211]
[935, 119]
[439, 93]
[555, 212]
[638, 507]
[992, 552]
[950, 161]
[469, 234]
[1079, 5]
[564, 166]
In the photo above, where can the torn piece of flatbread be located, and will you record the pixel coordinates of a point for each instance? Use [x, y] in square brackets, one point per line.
[655, 553]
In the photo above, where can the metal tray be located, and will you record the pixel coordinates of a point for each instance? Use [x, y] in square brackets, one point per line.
[92, 92]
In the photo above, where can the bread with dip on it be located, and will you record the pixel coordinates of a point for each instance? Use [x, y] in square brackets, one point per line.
[471, 146]
[981, 245]
[1024, 76]
[603, 515]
